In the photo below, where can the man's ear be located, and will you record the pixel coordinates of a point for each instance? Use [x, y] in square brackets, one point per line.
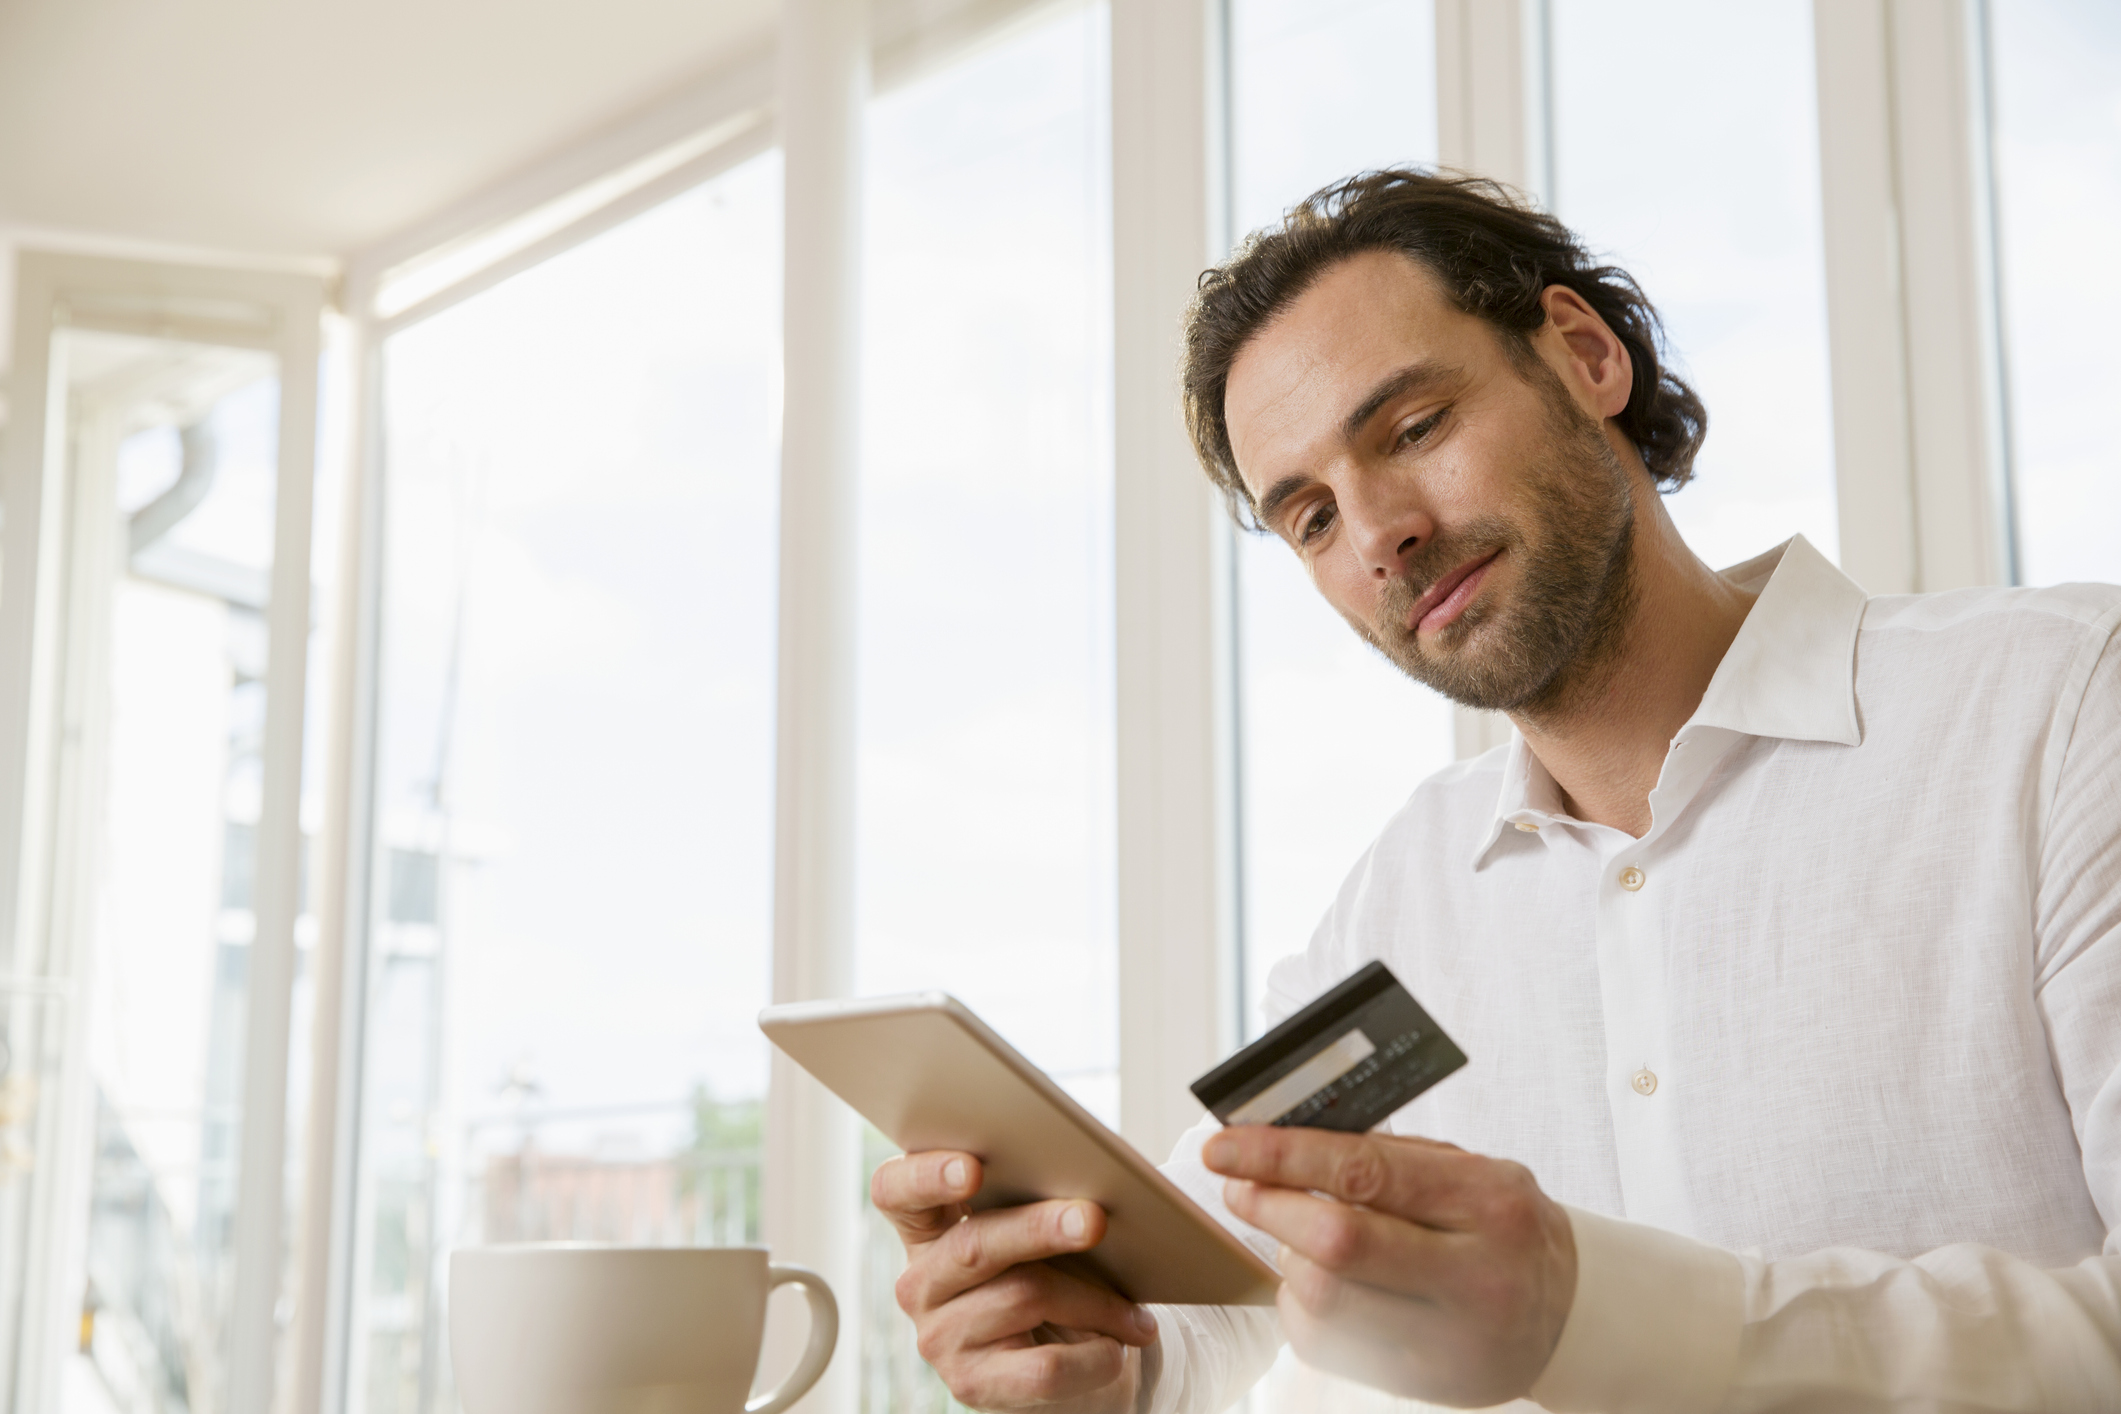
[1587, 355]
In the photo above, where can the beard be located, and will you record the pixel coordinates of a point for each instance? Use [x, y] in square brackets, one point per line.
[1530, 653]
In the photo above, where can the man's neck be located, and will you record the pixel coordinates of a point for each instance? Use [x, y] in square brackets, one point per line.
[1605, 743]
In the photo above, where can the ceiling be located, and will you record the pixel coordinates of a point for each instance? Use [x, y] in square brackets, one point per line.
[316, 127]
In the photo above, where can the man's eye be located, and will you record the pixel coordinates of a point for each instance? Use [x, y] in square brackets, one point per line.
[1315, 525]
[1420, 431]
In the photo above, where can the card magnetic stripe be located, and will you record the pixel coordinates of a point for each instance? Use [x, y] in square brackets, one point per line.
[1345, 1061]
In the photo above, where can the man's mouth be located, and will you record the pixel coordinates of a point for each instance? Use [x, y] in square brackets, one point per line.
[1448, 597]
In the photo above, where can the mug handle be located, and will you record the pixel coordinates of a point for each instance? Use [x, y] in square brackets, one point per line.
[824, 1334]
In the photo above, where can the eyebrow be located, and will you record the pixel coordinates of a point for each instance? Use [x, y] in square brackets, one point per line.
[1412, 378]
[1393, 386]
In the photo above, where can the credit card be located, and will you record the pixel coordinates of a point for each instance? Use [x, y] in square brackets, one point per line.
[1346, 1061]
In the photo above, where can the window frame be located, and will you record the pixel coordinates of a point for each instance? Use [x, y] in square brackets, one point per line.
[48, 773]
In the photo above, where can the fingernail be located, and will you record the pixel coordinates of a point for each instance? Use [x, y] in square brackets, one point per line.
[1074, 1223]
[1217, 1151]
[954, 1174]
[1143, 1321]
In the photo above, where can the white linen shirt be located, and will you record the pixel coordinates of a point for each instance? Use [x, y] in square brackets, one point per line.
[1827, 1065]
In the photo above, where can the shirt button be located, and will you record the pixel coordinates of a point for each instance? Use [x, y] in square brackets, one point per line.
[1644, 1081]
[1632, 879]
[1527, 826]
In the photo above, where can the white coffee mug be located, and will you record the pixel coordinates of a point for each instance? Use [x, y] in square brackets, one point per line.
[575, 1328]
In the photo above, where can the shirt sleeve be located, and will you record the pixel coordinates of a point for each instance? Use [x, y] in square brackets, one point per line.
[1208, 1356]
[1665, 1323]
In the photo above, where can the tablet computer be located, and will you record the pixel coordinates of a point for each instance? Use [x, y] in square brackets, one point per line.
[931, 1075]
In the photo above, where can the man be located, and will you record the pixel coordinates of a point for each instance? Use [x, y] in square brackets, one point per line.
[1785, 937]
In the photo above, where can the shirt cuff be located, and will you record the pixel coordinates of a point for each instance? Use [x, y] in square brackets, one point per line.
[1654, 1326]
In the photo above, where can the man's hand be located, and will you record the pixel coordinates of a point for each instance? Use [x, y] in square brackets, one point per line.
[1409, 1265]
[1005, 1330]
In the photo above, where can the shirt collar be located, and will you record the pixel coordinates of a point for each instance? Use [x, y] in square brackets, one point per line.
[1790, 672]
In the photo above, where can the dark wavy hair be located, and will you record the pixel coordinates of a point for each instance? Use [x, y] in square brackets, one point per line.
[1493, 253]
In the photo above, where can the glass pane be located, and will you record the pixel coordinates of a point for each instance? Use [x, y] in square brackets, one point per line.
[1319, 91]
[2057, 74]
[173, 476]
[986, 632]
[986, 817]
[574, 793]
[1705, 186]
[1323, 89]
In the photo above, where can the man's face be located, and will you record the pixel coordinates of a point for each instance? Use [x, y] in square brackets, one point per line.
[1459, 508]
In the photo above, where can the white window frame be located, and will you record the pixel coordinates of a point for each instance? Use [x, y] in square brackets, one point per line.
[1175, 670]
[50, 745]
[1919, 451]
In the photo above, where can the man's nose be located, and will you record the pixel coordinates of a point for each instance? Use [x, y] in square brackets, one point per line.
[1385, 524]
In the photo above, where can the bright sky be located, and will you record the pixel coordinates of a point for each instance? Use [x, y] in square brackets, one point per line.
[986, 840]
[1718, 217]
[583, 463]
[2057, 76]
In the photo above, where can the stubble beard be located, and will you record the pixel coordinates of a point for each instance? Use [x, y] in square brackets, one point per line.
[1559, 636]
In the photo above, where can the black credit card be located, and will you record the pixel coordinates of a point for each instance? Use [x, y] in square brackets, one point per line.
[1346, 1061]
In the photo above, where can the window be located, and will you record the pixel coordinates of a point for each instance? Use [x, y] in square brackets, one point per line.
[2056, 71]
[1699, 174]
[570, 933]
[986, 655]
[160, 480]
[986, 629]
[1332, 738]
[180, 439]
